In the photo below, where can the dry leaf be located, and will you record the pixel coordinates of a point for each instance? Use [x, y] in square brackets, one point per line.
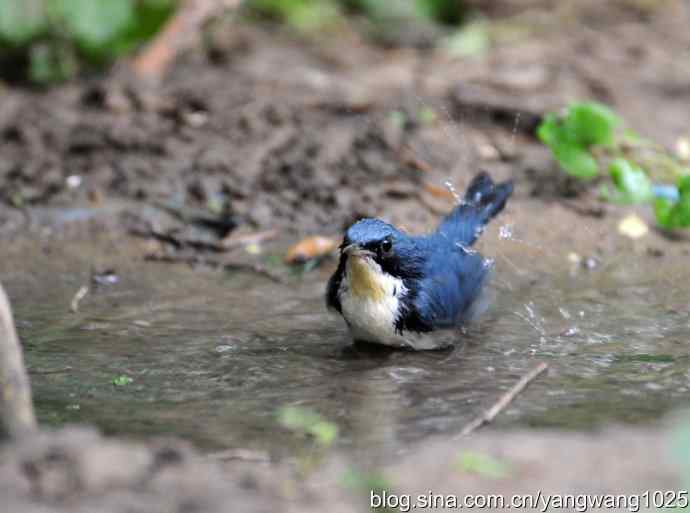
[439, 192]
[309, 248]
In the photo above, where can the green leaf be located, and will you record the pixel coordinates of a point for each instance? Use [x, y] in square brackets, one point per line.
[314, 16]
[21, 20]
[304, 15]
[308, 422]
[363, 481]
[149, 17]
[426, 116]
[631, 181]
[49, 63]
[590, 124]
[95, 24]
[670, 214]
[662, 210]
[473, 39]
[549, 130]
[575, 160]
[398, 118]
[449, 12]
[482, 464]
[122, 380]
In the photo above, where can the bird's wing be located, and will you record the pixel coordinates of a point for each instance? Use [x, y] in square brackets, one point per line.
[448, 293]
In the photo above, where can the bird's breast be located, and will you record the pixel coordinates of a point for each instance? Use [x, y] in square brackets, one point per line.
[364, 281]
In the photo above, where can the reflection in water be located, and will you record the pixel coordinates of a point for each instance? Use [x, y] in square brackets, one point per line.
[214, 356]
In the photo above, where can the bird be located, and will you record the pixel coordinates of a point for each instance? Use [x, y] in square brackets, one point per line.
[401, 290]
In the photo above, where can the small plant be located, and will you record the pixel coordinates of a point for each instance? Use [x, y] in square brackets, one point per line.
[53, 40]
[307, 422]
[367, 484]
[482, 464]
[303, 15]
[571, 137]
[122, 380]
[675, 213]
[586, 139]
[382, 17]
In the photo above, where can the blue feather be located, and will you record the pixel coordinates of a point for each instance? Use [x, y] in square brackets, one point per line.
[443, 275]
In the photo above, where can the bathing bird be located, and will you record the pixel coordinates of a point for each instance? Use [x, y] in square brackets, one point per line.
[399, 290]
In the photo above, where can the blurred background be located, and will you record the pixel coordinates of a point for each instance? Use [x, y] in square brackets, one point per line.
[175, 177]
[306, 114]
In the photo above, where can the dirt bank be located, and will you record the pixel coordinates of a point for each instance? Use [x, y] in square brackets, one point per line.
[75, 470]
[258, 129]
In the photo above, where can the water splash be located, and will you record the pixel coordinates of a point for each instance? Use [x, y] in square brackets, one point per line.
[451, 188]
[505, 232]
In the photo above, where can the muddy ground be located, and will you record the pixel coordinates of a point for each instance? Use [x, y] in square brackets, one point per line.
[260, 130]
[65, 472]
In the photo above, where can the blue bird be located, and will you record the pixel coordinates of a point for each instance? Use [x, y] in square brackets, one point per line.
[395, 289]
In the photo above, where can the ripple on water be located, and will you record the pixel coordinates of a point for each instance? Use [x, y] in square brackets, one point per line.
[215, 359]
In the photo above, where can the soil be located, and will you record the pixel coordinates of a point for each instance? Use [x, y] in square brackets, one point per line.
[66, 471]
[259, 130]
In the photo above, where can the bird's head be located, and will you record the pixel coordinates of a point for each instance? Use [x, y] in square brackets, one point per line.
[375, 253]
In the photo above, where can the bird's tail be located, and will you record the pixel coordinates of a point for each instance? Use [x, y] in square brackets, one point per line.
[483, 200]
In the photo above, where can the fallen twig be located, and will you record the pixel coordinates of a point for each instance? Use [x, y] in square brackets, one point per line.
[179, 243]
[229, 266]
[51, 371]
[179, 33]
[16, 409]
[81, 294]
[489, 415]
[229, 243]
[244, 239]
[241, 455]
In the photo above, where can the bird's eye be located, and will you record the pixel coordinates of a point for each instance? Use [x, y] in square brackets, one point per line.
[386, 246]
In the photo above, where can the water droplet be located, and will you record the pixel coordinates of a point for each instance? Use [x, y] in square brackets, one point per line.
[505, 232]
[465, 249]
[73, 181]
[453, 191]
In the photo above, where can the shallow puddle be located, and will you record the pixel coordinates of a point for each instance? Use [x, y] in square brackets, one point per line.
[213, 355]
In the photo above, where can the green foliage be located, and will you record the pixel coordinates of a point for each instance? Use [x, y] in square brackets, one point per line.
[304, 15]
[572, 136]
[589, 124]
[21, 20]
[472, 39]
[122, 380]
[57, 38]
[448, 12]
[575, 160]
[632, 182]
[387, 16]
[675, 214]
[482, 464]
[585, 138]
[307, 422]
[364, 483]
[95, 25]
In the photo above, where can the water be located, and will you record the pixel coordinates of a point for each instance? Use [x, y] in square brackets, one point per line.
[213, 356]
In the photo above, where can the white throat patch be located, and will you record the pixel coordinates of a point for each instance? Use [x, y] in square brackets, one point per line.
[371, 301]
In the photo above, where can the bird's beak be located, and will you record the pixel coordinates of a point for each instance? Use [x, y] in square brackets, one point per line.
[356, 250]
